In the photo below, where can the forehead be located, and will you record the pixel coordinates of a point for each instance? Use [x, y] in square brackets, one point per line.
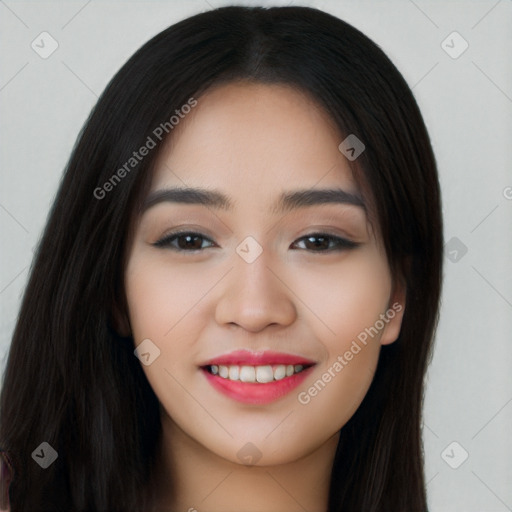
[254, 141]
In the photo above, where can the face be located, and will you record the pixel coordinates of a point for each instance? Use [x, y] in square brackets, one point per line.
[267, 313]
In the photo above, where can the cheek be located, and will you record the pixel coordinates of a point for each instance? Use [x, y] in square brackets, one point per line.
[346, 298]
[160, 298]
[168, 307]
[344, 376]
[348, 304]
[154, 309]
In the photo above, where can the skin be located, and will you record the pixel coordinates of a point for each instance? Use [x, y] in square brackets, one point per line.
[252, 142]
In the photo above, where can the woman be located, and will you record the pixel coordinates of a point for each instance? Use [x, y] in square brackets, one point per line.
[234, 300]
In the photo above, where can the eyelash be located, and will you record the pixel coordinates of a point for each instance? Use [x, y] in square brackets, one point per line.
[341, 243]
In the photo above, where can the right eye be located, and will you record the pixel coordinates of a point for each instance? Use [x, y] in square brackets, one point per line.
[186, 241]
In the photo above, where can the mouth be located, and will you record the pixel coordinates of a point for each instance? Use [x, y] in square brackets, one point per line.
[256, 378]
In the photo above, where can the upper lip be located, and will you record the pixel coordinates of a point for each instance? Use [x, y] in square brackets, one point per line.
[267, 357]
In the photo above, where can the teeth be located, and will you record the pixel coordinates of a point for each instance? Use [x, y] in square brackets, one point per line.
[264, 374]
[247, 374]
[280, 372]
[233, 373]
[261, 374]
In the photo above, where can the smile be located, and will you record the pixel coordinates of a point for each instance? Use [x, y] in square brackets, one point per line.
[261, 374]
[256, 378]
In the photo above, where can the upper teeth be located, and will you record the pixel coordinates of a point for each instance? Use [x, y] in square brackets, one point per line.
[260, 374]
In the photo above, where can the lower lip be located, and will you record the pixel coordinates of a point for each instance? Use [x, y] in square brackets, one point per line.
[256, 393]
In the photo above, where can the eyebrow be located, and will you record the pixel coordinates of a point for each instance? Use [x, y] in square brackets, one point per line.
[287, 202]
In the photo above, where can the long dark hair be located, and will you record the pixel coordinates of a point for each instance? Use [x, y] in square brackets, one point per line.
[72, 381]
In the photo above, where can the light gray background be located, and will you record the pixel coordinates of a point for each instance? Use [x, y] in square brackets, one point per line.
[467, 106]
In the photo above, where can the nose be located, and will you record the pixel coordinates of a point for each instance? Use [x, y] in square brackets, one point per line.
[255, 296]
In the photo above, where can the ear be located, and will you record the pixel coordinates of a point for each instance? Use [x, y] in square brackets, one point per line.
[120, 320]
[394, 314]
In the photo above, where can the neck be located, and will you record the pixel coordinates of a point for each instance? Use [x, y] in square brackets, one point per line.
[189, 477]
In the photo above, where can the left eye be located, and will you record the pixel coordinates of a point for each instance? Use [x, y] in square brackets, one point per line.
[327, 243]
[315, 242]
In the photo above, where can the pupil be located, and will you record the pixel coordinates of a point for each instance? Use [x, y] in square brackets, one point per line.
[318, 238]
[188, 238]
